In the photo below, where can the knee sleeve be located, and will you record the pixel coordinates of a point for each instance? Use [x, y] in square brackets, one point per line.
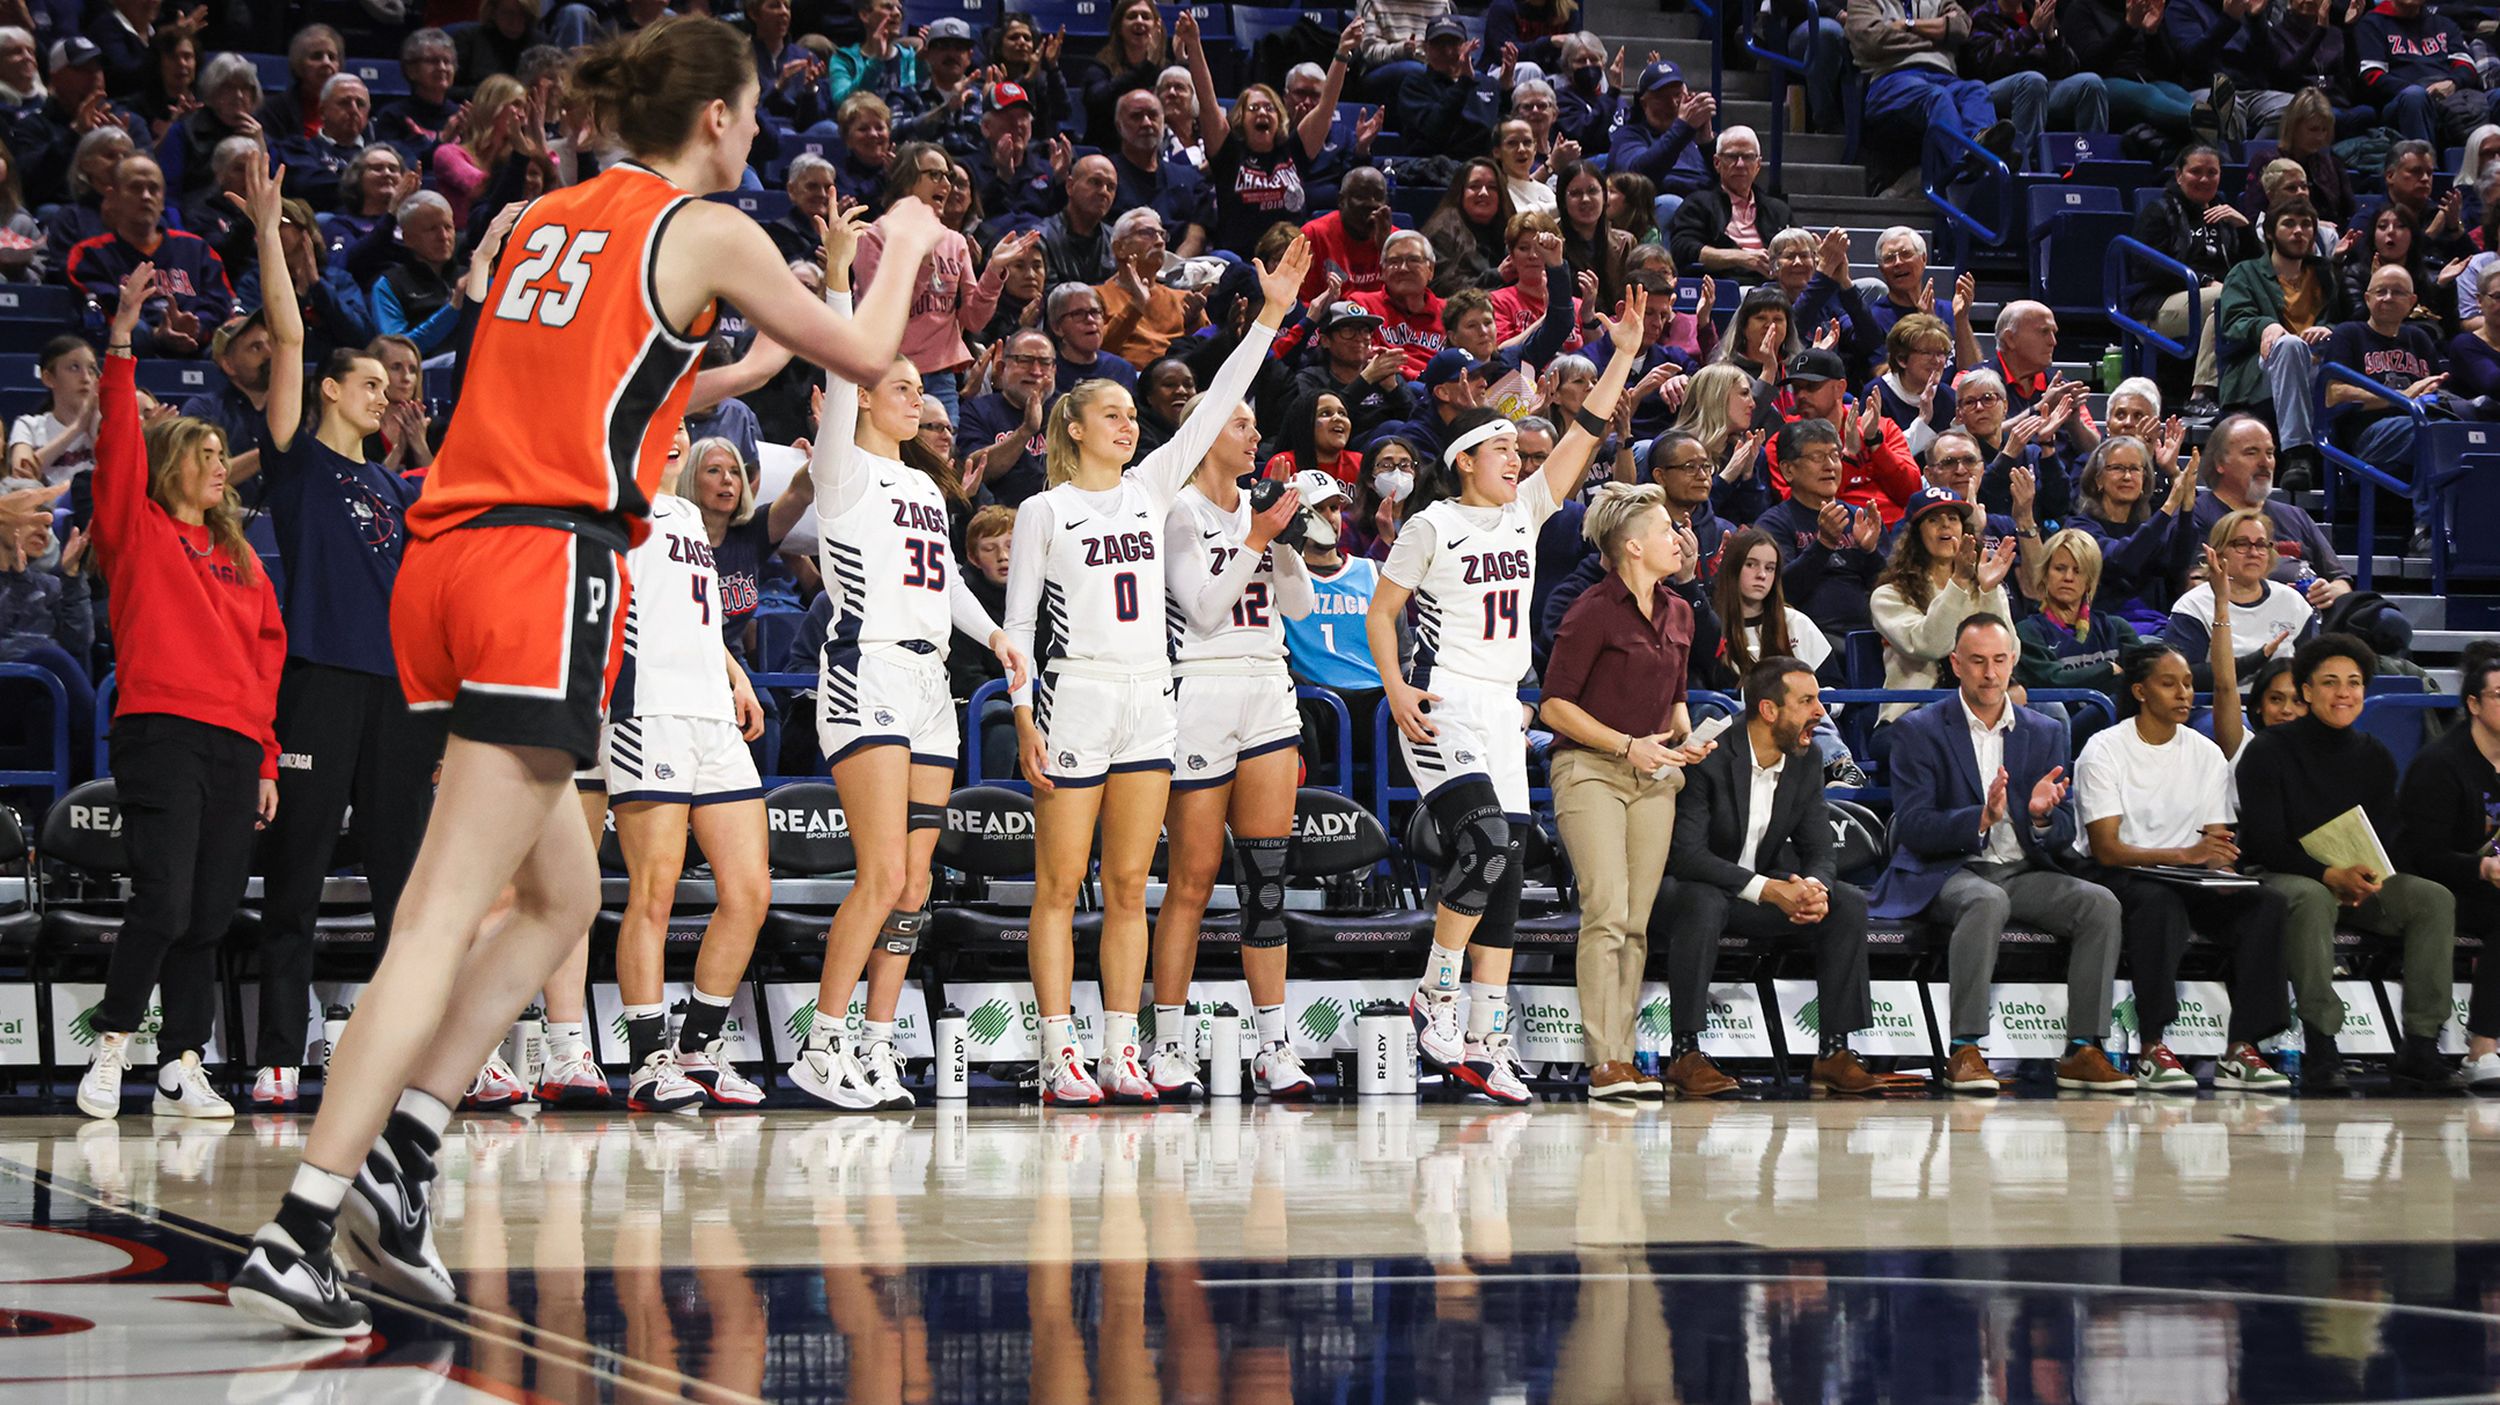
[1477, 838]
[918, 816]
[901, 934]
[1259, 865]
[1500, 927]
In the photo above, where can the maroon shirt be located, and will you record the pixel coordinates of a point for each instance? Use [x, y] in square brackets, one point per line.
[1622, 668]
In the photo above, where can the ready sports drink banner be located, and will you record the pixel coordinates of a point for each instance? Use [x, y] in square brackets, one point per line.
[74, 1032]
[607, 1024]
[791, 1008]
[1900, 1028]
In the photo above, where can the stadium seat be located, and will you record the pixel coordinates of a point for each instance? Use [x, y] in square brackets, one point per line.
[2060, 152]
[35, 744]
[980, 14]
[177, 381]
[382, 77]
[809, 842]
[31, 309]
[988, 837]
[1082, 19]
[1252, 23]
[82, 863]
[2070, 226]
[274, 74]
[764, 205]
[1341, 846]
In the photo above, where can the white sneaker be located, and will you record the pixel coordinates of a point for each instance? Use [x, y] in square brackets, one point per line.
[831, 1075]
[191, 1095]
[275, 1090]
[496, 1086]
[1440, 1036]
[1174, 1072]
[2245, 1069]
[1065, 1083]
[883, 1071]
[100, 1091]
[573, 1079]
[1492, 1069]
[719, 1078]
[1278, 1073]
[1123, 1078]
[659, 1085]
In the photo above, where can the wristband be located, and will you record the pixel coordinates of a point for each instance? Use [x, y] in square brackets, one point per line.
[1595, 425]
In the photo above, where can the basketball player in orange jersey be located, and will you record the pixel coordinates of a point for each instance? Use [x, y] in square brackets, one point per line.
[507, 618]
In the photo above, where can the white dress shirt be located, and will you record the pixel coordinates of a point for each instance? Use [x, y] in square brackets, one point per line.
[1987, 744]
[1765, 786]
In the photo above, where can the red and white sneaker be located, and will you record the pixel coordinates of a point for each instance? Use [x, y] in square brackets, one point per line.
[722, 1084]
[1492, 1069]
[1123, 1078]
[1440, 1036]
[574, 1080]
[275, 1090]
[1174, 1072]
[1065, 1083]
[659, 1085]
[496, 1086]
[1278, 1072]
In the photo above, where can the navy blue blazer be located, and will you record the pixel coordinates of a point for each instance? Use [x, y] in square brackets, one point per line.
[1938, 796]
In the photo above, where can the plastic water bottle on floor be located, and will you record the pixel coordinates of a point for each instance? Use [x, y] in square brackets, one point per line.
[333, 1024]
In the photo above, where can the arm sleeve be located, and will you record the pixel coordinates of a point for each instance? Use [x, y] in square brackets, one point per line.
[1166, 469]
[1025, 565]
[830, 464]
[1546, 342]
[1295, 596]
[1206, 597]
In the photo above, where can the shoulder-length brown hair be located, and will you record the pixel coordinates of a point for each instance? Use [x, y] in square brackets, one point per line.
[172, 443]
[1729, 600]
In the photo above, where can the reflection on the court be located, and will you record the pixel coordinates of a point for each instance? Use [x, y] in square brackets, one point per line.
[2016, 1250]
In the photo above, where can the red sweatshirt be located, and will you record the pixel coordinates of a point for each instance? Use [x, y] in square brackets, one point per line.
[194, 635]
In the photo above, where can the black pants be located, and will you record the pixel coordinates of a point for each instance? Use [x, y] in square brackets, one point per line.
[2158, 918]
[189, 793]
[2478, 914]
[1696, 915]
[344, 739]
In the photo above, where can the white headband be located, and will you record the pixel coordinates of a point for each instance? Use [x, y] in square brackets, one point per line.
[1473, 437]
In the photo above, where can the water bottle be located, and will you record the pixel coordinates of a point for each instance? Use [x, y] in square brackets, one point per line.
[530, 1034]
[1410, 1054]
[333, 1024]
[954, 1054]
[2113, 369]
[952, 1155]
[2307, 577]
[1224, 1053]
[1377, 1048]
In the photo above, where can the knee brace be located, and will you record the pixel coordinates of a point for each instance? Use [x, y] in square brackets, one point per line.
[901, 934]
[918, 816]
[1500, 927]
[1478, 840]
[1259, 865]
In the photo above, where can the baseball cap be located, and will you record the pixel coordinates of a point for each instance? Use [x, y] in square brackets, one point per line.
[1340, 314]
[1659, 75]
[1318, 486]
[1444, 28]
[73, 51]
[1931, 499]
[1007, 95]
[234, 327]
[1814, 366]
[946, 30]
[1448, 365]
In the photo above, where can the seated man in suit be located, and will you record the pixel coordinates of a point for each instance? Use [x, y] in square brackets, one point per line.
[1746, 815]
[1980, 810]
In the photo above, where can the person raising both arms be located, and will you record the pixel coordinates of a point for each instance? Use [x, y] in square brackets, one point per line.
[1466, 557]
[507, 619]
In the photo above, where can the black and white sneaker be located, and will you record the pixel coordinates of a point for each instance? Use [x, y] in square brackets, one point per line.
[387, 1224]
[1842, 773]
[300, 1292]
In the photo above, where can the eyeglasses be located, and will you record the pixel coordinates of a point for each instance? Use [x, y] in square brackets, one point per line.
[2249, 544]
[1958, 461]
[933, 173]
[1985, 397]
[1084, 314]
[1695, 465]
[1404, 261]
[1740, 158]
[1036, 360]
[2127, 470]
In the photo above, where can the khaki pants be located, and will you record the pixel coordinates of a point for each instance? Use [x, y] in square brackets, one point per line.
[1617, 826]
[2420, 911]
[2171, 321]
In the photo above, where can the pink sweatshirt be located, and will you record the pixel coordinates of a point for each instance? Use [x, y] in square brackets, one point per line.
[947, 302]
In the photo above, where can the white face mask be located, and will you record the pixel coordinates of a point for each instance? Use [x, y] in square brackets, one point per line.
[1319, 530]
[1394, 483]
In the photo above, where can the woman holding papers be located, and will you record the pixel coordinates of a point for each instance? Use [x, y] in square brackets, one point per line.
[2154, 797]
[2314, 774]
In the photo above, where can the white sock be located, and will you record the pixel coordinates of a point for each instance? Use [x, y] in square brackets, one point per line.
[649, 1012]
[824, 1035]
[1059, 1032]
[429, 1111]
[1488, 1009]
[1441, 969]
[1271, 1022]
[720, 1000]
[323, 1190]
[569, 1035]
[1172, 1026]
[1119, 1031]
[876, 1031]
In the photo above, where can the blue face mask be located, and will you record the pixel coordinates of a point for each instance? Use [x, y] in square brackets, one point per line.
[1588, 78]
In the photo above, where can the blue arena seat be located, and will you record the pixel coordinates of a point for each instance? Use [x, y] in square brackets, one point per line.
[980, 14]
[765, 205]
[179, 380]
[1082, 19]
[2077, 222]
[29, 308]
[1252, 23]
[2061, 151]
[382, 77]
[274, 74]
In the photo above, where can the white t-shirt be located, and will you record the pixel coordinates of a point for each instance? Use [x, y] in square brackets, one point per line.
[2252, 625]
[2164, 796]
[35, 431]
[1811, 648]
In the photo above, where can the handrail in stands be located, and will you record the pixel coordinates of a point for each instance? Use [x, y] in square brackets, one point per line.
[1784, 67]
[104, 692]
[1965, 225]
[1709, 12]
[55, 779]
[2126, 248]
[2374, 480]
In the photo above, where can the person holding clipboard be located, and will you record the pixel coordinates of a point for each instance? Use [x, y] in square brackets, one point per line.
[2302, 781]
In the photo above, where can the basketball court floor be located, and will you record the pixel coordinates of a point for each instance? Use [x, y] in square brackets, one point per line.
[2219, 1249]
